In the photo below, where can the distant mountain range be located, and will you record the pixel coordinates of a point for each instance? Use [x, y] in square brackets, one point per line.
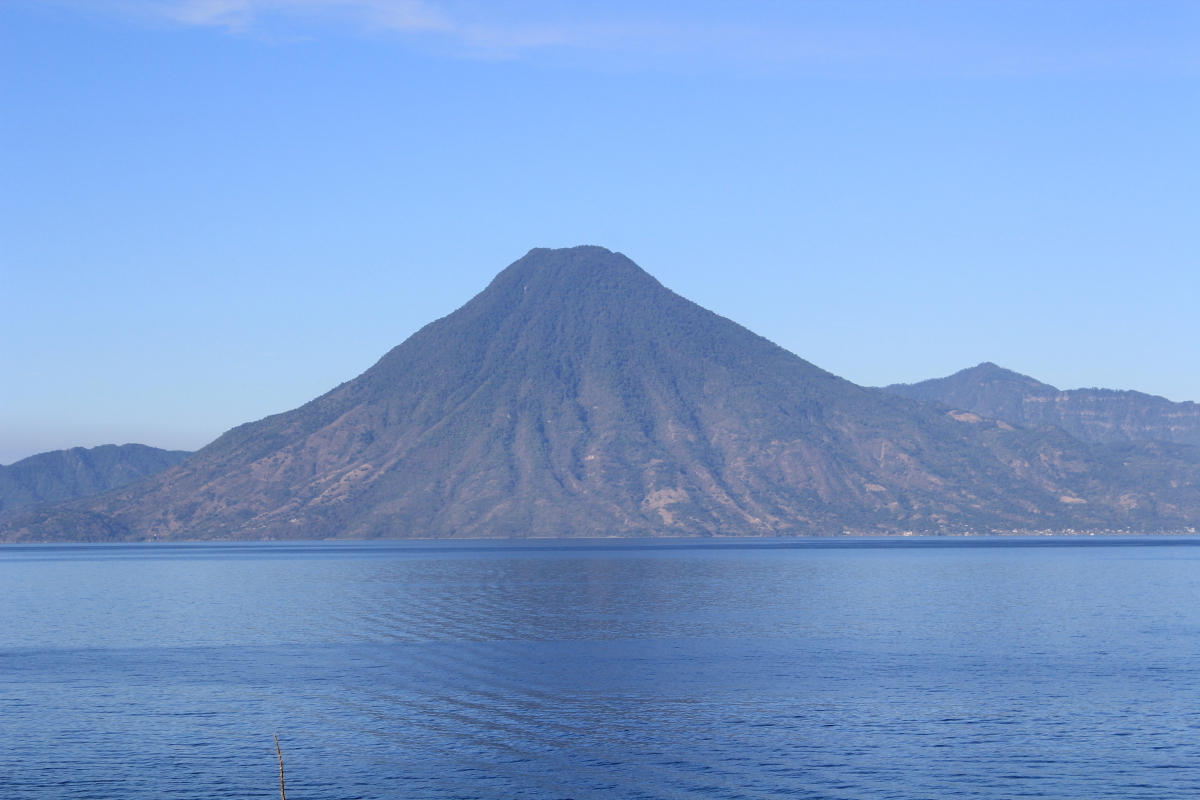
[577, 396]
[1094, 415]
[78, 472]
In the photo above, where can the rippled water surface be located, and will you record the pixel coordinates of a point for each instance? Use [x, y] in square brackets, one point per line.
[965, 668]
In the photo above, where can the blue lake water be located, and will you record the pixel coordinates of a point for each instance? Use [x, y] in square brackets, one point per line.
[909, 669]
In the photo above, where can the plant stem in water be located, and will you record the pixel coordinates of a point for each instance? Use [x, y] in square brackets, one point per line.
[278, 752]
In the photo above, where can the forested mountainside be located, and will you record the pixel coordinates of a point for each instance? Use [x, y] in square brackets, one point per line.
[1094, 415]
[78, 472]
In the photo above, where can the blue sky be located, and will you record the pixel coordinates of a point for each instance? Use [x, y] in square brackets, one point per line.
[215, 210]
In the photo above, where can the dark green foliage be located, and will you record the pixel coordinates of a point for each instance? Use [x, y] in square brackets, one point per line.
[576, 396]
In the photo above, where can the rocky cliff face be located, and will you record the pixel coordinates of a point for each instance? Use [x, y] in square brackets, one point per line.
[78, 472]
[576, 396]
[1094, 415]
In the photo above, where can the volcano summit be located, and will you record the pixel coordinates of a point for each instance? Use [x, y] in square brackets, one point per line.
[577, 396]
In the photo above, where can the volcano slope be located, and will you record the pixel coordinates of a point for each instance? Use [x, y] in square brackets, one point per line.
[576, 396]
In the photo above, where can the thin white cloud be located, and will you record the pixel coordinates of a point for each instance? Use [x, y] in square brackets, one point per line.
[817, 36]
[244, 16]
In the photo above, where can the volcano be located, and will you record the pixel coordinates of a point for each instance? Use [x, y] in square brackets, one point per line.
[577, 396]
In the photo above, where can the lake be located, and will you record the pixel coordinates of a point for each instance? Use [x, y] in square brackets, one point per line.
[981, 667]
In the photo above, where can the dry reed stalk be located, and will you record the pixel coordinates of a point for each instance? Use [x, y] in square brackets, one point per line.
[278, 752]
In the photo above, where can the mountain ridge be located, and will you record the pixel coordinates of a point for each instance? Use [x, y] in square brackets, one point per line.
[77, 472]
[577, 396]
[1094, 415]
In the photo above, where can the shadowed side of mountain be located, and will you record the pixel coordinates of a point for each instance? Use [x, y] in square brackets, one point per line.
[1094, 415]
[577, 396]
[78, 472]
